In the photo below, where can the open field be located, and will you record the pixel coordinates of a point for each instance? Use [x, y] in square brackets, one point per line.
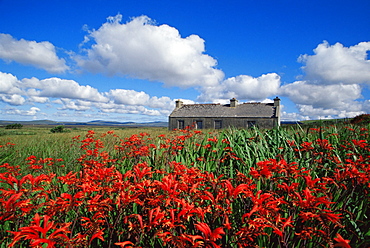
[149, 187]
[39, 141]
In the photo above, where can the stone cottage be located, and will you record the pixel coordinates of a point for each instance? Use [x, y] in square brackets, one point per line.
[218, 116]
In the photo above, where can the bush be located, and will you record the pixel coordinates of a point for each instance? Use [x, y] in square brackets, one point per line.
[361, 119]
[57, 129]
[14, 126]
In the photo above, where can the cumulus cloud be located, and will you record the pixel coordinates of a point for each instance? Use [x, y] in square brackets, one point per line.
[9, 84]
[332, 86]
[75, 97]
[13, 99]
[31, 112]
[327, 113]
[144, 50]
[164, 103]
[128, 97]
[325, 101]
[39, 54]
[134, 102]
[62, 88]
[38, 99]
[293, 116]
[322, 96]
[78, 105]
[247, 87]
[136, 98]
[332, 64]
[333, 82]
[128, 109]
[243, 87]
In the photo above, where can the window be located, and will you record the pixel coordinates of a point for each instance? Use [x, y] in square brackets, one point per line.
[180, 124]
[218, 124]
[251, 124]
[199, 124]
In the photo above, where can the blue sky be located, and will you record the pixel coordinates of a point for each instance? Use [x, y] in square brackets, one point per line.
[130, 60]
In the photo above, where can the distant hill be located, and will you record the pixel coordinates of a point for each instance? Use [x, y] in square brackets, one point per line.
[90, 123]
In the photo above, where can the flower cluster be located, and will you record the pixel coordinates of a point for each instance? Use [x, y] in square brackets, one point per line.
[320, 199]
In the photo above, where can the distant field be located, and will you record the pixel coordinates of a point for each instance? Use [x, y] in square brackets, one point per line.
[39, 141]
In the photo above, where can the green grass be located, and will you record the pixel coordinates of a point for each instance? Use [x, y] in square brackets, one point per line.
[40, 142]
[220, 155]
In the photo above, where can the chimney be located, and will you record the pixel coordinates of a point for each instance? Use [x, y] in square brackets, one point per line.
[277, 109]
[179, 103]
[233, 102]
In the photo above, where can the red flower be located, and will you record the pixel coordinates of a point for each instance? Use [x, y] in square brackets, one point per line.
[341, 242]
[33, 232]
[208, 235]
[125, 244]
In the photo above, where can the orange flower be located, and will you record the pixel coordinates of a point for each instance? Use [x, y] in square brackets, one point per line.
[33, 232]
[209, 237]
[341, 242]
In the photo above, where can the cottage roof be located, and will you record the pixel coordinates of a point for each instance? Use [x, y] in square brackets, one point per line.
[219, 110]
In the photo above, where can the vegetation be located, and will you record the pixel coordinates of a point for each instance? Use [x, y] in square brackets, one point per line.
[294, 187]
[361, 119]
[14, 126]
[57, 129]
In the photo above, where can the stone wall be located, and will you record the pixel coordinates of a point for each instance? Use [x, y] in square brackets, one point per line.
[222, 122]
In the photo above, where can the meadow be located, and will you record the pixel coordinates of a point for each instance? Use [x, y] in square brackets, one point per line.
[288, 187]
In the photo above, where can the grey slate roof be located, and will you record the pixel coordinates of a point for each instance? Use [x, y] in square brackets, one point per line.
[218, 110]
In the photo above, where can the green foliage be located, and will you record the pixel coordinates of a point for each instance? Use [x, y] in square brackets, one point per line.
[57, 129]
[14, 126]
[361, 119]
[285, 187]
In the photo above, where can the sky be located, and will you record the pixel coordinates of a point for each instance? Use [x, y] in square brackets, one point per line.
[124, 60]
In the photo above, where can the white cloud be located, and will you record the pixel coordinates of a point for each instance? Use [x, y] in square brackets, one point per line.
[132, 97]
[78, 116]
[338, 64]
[13, 99]
[144, 50]
[9, 84]
[327, 113]
[151, 112]
[322, 96]
[243, 87]
[128, 97]
[31, 112]
[164, 103]
[247, 87]
[78, 105]
[285, 116]
[39, 54]
[366, 106]
[38, 99]
[62, 88]
[333, 84]
[127, 109]
[334, 75]
[75, 97]
[325, 101]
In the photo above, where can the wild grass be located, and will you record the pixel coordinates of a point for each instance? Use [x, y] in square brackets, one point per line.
[40, 142]
[288, 187]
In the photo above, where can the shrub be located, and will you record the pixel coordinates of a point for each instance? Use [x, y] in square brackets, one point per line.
[361, 119]
[57, 129]
[14, 126]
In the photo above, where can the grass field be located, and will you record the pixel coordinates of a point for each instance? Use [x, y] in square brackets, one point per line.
[109, 187]
[39, 141]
